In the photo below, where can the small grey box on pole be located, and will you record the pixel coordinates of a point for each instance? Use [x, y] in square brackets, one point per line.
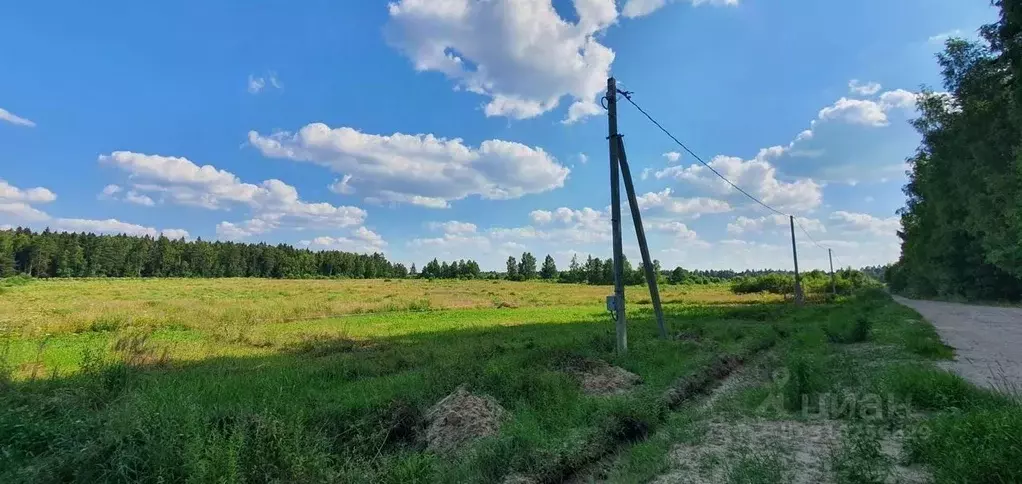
[799, 297]
[615, 219]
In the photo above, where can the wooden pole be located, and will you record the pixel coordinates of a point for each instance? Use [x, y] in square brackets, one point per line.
[833, 281]
[799, 297]
[640, 233]
[615, 219]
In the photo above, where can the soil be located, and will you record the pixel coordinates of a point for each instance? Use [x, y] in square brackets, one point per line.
[460, 418]
[600, 379]
[804, 449]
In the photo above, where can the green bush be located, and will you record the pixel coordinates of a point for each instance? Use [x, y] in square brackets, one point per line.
[846, 282]
[845, 329]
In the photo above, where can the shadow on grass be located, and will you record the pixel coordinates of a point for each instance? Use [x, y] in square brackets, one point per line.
[330, 408]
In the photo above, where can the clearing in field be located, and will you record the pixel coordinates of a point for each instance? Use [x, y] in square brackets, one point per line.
[460, 381]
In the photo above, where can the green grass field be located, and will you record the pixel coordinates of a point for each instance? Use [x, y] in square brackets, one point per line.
[330, 381]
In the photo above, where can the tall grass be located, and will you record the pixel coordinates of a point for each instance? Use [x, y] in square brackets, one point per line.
[975, 446]
[342, 400]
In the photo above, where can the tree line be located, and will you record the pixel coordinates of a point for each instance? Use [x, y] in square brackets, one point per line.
[64, 254]
[962, 221]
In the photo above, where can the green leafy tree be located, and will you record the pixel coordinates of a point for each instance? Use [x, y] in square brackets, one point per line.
[961, 222]
[677, 276]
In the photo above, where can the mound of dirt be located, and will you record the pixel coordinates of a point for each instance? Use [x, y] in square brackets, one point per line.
[461, 417]
[600, 379]
[518, 479]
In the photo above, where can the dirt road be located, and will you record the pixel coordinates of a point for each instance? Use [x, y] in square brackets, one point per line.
[987, 340]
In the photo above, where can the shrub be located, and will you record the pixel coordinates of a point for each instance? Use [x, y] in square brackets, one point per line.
[861, 459]
[813, 282]
[843, 329]
[805, 381]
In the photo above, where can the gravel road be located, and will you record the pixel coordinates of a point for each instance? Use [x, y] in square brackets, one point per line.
[987, 340]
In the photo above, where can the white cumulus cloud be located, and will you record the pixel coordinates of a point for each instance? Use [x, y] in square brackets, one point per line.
[175, 234]
[360, 240]
[868, 112]
[419, 169]
[692, 207]
[272, 202]
[863, 89]
[138, 199]
[518, 53]
[343, 186]
[639, 8]
[747, 225]
[11, 193]
[453, 227]
[855, 111]
[677, 230]
[16, 204]
[757, 176]
[861, 222]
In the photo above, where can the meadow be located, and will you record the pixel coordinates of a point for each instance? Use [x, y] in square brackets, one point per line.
[254, 380]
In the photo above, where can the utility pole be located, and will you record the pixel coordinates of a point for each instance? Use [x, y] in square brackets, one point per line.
[619, 161]
[640, 233]
[833, 281]
[799, 297]
[617, 305]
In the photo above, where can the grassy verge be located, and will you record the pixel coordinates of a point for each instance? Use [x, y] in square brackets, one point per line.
[860, 383]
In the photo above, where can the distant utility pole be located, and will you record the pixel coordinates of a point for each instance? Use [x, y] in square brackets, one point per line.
[833, 281]
[619, 161]
[799, 297]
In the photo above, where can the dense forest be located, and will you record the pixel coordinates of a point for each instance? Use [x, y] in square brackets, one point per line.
[53, 254]
[62, 254]
[962, 225]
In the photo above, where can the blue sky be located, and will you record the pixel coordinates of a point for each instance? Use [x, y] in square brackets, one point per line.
[469, 128]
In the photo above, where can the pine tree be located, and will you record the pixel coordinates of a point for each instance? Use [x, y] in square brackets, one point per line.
[527, 267]
[549, 270]
[512, 269]
[575, 274]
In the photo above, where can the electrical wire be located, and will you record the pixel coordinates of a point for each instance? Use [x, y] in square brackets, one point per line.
[810, 236]
[628, 96]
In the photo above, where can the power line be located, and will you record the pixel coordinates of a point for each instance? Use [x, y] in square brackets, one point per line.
[628, 96]
[810, 236]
